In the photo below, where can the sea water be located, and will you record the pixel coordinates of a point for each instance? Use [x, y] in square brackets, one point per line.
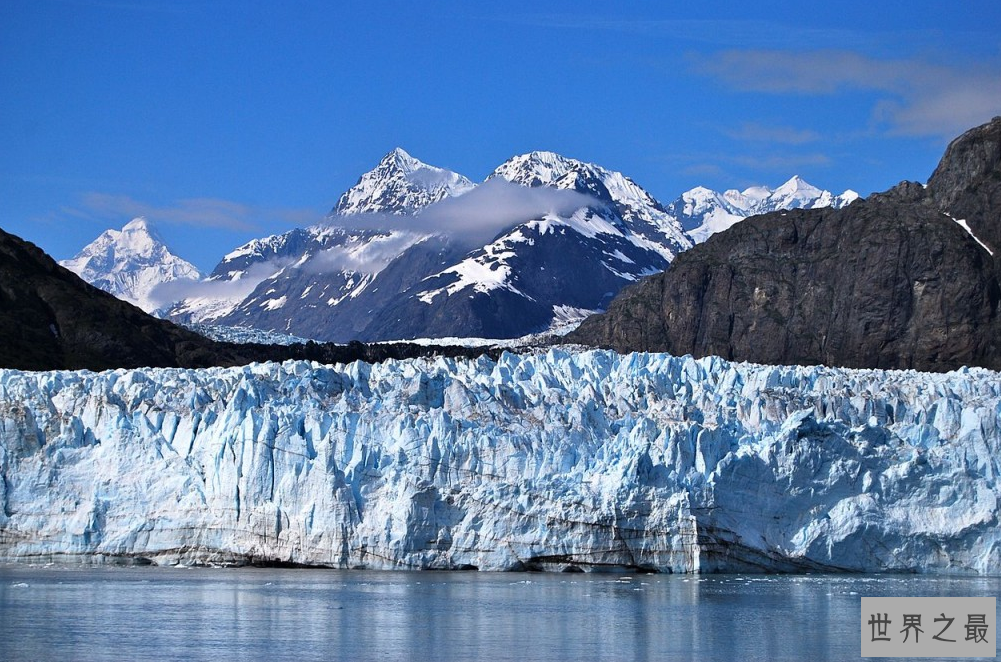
[102, 613]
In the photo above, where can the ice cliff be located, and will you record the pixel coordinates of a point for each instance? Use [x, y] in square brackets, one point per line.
[563, 460]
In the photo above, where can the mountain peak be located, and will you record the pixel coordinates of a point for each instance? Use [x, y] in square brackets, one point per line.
[137, 223]
[797, 184]
[401, 159]
[400, 184]
[541, 168]
[704, 212]
[130, 263]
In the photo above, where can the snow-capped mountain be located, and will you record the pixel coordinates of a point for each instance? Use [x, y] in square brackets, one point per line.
[130, 263]
[400, 184]
[310, 281]
[559, 461]
[704, 212]
[576, 259]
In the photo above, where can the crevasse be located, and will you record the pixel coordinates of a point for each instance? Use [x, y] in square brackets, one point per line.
[563, 460]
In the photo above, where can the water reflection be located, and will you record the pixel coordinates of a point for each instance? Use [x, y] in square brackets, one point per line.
[250, 614]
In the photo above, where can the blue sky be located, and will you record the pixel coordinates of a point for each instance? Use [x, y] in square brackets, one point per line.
[224, 121]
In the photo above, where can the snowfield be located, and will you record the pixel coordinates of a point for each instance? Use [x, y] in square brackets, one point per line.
[563, 460]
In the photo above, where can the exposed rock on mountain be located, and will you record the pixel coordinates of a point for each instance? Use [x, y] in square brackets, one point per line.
[51, 319]
[967, 182]
[578, 258]
[893, 281]
[334, 283]
[414, 250]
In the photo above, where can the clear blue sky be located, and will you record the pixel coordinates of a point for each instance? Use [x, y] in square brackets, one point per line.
[223, 121]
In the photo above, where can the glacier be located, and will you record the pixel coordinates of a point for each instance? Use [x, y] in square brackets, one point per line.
[555, 460]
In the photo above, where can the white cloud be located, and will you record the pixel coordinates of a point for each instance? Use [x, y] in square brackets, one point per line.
[216, 290]
[479, 215]
[917, 97]
[367, 258]
[471, 219]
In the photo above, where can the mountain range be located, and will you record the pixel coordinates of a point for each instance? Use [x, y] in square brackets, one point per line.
[414, 250]
[704, 212]
[909, 278]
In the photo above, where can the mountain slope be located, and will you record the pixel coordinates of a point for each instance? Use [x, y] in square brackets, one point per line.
[331, 282]
[573, 235]
[310, 281]
[892, 281]
[50, 319]
[130, 263]
[967, 183]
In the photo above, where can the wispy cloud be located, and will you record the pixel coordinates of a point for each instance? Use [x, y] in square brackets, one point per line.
[916, 97]
[217, 290]
[779, 162]
[703, 170]
[369, 257]
[199, 212]
[478, 215]
[468, 220]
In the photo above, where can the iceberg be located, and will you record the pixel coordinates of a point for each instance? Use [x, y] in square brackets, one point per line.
[557, 460]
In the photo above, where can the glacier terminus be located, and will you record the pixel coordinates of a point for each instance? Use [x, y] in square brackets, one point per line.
[557, 460]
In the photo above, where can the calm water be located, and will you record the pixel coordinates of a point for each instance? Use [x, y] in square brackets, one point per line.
[74, 613]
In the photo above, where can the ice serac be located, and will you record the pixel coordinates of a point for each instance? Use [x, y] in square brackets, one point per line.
[564, 460]
[130, 263]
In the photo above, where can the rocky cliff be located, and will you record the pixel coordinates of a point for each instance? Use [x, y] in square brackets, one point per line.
[905, 279]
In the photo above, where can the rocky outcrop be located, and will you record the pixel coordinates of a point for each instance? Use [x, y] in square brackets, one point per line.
[967, 182]
[894, 281]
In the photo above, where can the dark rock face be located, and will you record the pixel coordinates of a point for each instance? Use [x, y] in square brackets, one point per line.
[50, 319]
[888, 282]
[967, 182]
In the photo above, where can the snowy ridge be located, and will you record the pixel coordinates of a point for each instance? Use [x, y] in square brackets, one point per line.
[130, 263]
[318, 266]
[626, 229]
[704, 212]
[966, 226]
[642, 216]
[588, 460]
